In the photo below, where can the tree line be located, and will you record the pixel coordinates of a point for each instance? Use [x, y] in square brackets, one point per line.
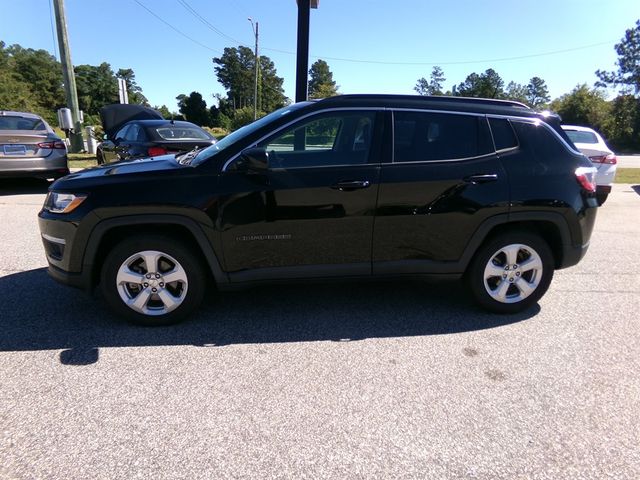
[31, 80]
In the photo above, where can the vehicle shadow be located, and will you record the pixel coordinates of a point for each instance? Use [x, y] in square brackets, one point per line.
[38, 314]
[23, 186]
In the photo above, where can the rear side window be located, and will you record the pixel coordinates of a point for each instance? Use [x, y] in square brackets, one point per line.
[503, 135]
[425, 136]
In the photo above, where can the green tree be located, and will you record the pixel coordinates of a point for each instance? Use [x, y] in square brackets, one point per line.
[628, 73]
[583, 106]
[537, 93]
[433, 86]
[517, 92]
[235, 70]
[97, 86]
[134, 91]
[194, 109]
[321, 83]
[485, 85]
[622, 127]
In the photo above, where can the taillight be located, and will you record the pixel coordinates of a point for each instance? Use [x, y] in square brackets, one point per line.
[52, 145]
[605, 159]
[155, 151]
[586, 177]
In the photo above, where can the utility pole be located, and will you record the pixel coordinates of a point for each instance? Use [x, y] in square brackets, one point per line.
[77, 142]
[255, 85]
[302, 62]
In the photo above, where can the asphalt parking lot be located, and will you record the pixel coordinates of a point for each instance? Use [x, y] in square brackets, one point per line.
[384, 380]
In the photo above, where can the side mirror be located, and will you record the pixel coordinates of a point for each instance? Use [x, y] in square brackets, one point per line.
[105, 137]
[253, 160]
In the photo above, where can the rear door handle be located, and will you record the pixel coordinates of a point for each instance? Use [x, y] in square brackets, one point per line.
[349, 185]
[481, 178]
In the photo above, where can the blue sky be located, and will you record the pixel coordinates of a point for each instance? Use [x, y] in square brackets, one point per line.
[371, 45]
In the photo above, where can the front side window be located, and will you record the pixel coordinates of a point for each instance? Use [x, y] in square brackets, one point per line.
[425, 136]
[133, 134]
[123, 132]
[342, 138]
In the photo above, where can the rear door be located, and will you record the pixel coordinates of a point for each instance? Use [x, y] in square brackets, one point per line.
[311, 213]
[443, 180]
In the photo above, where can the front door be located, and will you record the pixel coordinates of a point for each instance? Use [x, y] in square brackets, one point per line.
[311, 213]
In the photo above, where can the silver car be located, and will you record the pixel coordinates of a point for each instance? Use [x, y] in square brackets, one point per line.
[30, 148]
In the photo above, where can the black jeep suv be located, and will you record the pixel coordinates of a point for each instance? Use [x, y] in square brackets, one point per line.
[351, 186]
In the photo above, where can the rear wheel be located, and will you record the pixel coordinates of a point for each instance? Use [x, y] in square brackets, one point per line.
[511, 272]
[152, 280]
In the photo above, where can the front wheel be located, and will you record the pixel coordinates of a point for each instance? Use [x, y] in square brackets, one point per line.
[152, 280]
[511, 272]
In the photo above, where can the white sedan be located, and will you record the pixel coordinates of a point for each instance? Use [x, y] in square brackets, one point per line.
[591, 144]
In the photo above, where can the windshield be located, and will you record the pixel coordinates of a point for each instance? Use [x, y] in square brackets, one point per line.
[244, 131]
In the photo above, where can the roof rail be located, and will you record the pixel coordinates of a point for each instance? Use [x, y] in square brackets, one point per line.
[438, 98]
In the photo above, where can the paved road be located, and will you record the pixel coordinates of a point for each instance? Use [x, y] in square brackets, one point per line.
[629, 161]
[392, 380]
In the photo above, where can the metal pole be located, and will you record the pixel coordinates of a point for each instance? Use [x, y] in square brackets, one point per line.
[255, 87]
[77, 142]
[302, 63]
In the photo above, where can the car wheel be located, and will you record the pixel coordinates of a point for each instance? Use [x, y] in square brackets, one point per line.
[152, 280]
[511, 272]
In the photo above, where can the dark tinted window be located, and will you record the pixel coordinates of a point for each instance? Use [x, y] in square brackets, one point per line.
[426, 136]
[538, 139]
[503, 135]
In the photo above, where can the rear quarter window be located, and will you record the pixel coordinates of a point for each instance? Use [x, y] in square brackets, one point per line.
[536, 138]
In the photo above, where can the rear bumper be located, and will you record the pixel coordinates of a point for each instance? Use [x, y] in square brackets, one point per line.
[51, 166]
[39, 173]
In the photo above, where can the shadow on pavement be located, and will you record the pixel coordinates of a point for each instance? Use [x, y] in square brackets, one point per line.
[636, 188]
[23, 186]
[38, 314]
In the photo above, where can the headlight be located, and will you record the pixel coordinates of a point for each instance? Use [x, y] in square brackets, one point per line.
[62, 202]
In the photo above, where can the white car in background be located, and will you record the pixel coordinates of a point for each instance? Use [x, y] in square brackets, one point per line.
[591, 144]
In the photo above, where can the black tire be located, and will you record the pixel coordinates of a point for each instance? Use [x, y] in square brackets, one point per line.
[172, 249]
[475, 275]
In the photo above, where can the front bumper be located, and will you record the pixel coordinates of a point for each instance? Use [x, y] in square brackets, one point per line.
[64, 245]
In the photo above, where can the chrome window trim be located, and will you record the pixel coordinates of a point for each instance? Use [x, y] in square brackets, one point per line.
[502, 150]
[443, 160]
[286, 125]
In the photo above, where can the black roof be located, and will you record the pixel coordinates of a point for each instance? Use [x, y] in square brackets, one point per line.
[463, 104]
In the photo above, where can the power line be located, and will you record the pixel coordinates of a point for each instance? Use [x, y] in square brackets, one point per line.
[205, 22]
[53, 34]
[191, 10]
[466, 62]
[177, 30]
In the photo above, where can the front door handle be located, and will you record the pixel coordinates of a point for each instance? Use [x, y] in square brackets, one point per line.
[481, 178]
[350, 185]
